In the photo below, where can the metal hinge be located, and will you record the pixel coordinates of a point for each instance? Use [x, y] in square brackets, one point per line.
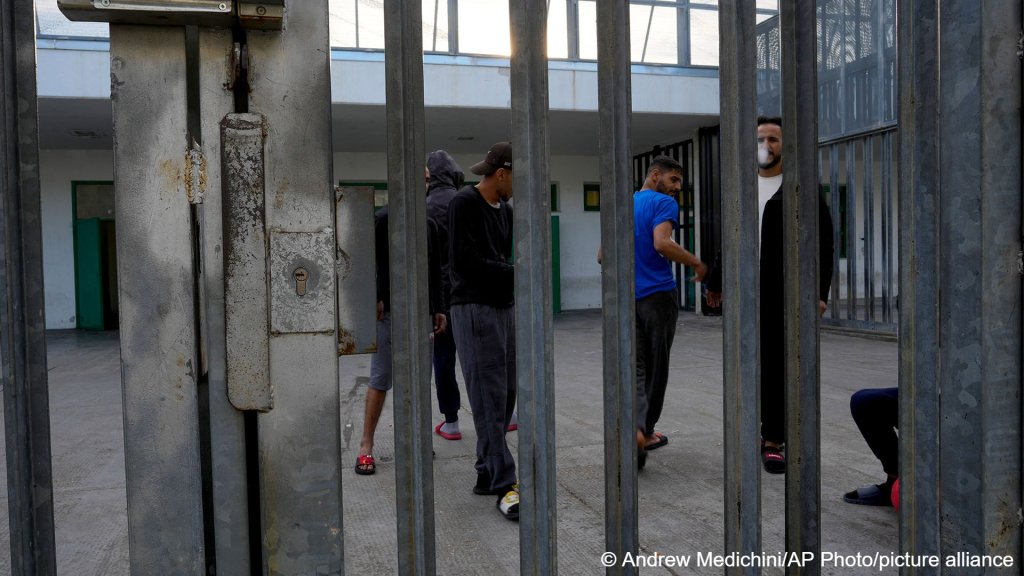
[195, 174]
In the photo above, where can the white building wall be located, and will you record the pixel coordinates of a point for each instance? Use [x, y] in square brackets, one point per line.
[58, 168]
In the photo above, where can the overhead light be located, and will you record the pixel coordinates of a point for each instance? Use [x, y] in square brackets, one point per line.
[88, 134]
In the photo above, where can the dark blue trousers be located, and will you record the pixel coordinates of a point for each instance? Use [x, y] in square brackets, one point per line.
[448, 397]
[877, 413]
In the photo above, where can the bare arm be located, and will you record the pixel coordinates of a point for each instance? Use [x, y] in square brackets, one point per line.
[667, 247]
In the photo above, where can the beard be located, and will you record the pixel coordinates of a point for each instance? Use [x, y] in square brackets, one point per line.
[664, 187]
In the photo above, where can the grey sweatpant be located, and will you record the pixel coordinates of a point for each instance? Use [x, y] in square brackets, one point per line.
[486, 340]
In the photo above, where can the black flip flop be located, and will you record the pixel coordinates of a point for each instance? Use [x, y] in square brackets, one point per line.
[662, 440]
[871, 495]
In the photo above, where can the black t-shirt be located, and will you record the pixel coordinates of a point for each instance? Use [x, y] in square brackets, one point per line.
[480, 250]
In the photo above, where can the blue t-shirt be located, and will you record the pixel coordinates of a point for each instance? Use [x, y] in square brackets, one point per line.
[653, 272]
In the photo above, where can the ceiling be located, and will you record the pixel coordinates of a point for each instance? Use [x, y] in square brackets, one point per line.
[80, 123]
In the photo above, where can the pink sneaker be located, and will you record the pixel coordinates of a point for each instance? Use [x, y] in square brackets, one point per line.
[446, 435]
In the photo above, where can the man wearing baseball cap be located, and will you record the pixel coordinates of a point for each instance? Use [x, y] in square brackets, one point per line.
[483, 317]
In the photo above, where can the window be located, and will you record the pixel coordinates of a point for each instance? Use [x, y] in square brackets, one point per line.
[591, 197]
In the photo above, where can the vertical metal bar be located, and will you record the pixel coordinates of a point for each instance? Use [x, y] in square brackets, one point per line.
[572, 18]
[979, 216]
[683, 35]
[410, 323]
[227, 429]
[22, 319]
[741, 344]
[156, 285]
[868, 178]
[887, 240]
[851, 230]
[917, 35]
[538, 529]
[300, 439]
[453, 26]
[800, 257]
[618, 327]
[833, 189]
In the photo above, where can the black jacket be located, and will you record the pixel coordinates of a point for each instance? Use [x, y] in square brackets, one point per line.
[480, 250]
[771, 269]
[383, 259]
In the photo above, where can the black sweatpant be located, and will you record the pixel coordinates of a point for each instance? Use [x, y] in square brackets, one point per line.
[656, 317]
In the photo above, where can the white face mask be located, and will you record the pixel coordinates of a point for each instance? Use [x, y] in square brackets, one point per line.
[762, 155]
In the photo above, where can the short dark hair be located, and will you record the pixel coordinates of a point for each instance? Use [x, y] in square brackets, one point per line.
[777, 120]
[665, 164]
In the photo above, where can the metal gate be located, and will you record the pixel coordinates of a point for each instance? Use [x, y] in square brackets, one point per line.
[234, 197]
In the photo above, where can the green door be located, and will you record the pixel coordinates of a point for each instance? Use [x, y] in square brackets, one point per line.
[89, 305]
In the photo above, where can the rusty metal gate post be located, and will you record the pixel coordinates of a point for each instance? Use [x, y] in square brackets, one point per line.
[919, 278]
[800, 258]
[157, 300]
[227, 282]
[960, 199]
[617, 284]
[410, 329]
[300, 438]
[538, 546]
[22, 322]
[740, 264]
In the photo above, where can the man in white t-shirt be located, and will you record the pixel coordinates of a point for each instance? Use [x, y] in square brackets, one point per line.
[772, 276]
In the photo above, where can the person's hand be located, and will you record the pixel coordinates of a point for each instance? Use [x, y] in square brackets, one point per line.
[822, 307]
[380, 309]
[699, 272]
[714, 299]
[440, 323]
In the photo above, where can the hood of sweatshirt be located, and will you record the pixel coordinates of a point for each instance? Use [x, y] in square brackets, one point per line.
[445, 172]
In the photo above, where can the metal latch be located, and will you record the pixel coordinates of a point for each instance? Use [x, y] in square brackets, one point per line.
[152, 12]
[266, 15]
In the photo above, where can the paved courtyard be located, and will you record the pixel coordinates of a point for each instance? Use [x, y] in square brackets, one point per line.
[681, 489]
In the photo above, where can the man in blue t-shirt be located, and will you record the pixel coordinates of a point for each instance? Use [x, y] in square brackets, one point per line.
[655, 218]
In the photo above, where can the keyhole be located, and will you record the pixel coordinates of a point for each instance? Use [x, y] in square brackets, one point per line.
[300, 281]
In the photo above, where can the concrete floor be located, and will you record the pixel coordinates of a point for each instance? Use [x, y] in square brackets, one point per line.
[681, 488]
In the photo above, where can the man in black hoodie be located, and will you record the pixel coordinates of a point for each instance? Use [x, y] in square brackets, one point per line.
[445, 177]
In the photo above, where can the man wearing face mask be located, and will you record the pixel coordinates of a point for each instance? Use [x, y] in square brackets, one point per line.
[773, 331]
[483, 318]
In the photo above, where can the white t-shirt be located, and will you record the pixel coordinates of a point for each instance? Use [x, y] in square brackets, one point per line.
[766, 188]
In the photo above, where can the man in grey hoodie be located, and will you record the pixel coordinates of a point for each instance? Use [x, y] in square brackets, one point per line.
[445, 178]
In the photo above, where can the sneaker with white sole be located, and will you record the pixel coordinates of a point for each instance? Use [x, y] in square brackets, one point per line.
[508, 504]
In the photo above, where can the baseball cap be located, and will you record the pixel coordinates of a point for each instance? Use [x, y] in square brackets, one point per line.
[499, 156]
